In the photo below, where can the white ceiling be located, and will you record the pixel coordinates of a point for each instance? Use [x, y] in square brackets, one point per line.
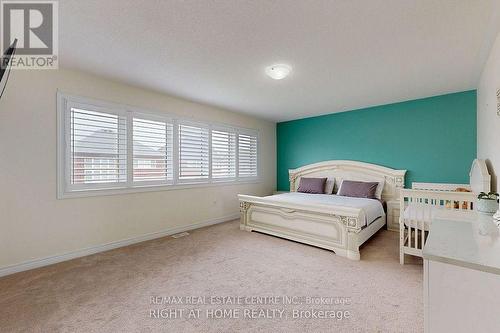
[346, 54]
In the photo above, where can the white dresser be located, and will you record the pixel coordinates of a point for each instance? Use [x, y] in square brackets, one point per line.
[462, 274]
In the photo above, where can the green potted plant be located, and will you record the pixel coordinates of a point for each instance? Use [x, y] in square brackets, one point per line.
[487, 203]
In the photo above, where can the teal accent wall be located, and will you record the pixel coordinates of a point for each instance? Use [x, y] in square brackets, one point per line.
[433, 138]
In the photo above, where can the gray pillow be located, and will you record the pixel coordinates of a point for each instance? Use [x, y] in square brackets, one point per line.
[351, 188]
[312, 185]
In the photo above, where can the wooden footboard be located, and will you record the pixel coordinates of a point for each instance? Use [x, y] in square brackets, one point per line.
[338, 231]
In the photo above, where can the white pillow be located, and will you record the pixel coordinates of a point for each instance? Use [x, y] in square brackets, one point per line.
[380, 188]
[329, 185]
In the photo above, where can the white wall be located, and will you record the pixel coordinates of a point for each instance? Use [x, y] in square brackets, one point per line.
[488, 122]
[34, 224]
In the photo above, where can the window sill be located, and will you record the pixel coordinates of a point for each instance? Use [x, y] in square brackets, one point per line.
[149, 188]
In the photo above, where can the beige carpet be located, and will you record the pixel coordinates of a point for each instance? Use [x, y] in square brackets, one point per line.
[111, 292]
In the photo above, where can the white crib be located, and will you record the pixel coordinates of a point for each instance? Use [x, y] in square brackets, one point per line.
[421, 203]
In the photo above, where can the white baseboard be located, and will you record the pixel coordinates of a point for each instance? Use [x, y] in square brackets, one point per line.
[36, 263]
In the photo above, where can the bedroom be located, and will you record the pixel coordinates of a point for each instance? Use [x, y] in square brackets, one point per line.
[181, 118]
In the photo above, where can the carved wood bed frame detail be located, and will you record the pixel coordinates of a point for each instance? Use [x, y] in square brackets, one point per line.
[337, 229]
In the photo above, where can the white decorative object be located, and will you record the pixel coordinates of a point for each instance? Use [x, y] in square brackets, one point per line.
[337, 229]
[498, 102]
[480, 179]
[419, 204]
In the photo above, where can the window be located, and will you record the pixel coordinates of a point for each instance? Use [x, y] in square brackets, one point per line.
[97, 149]
[193, 152]
[153, 151]
[247, 156]
[96, 169]
[106, 148]
[223, 154]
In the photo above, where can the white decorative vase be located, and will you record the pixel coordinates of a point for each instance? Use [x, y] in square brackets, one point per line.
[486, 206]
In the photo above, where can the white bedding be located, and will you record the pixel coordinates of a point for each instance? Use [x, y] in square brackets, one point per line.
[371, 209]
[416, 215]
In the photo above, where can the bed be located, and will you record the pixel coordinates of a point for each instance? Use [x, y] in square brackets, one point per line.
[340, 224]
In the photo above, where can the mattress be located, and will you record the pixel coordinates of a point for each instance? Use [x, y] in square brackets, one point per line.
[370, 209]
[416, 215]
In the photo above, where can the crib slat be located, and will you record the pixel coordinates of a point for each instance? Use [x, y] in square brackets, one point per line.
[409, 231]
[423, 235]
[416, 232]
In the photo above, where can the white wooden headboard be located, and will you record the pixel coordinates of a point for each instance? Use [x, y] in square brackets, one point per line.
[352, 170]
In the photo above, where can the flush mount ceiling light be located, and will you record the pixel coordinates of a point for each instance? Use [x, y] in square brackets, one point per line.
[278, 71]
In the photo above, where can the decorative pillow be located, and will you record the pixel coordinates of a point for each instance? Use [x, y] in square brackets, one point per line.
[380, 188]
[329, 185]
[351, 188]
[312, 185]
[378, 193]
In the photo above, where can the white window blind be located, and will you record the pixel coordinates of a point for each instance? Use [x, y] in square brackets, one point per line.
[247, 156]
[223, 154]
[98, 148]
[108, 148]
[152, 151]
[193, 152]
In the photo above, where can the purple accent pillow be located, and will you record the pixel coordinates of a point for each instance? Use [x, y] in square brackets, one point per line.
[312, 185]
[351, 188]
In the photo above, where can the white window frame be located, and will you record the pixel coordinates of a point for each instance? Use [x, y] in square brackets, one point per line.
[66, 190]
[137, 113]
[236, 131]
[251, 133]
[81, 104]
[177, 149]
